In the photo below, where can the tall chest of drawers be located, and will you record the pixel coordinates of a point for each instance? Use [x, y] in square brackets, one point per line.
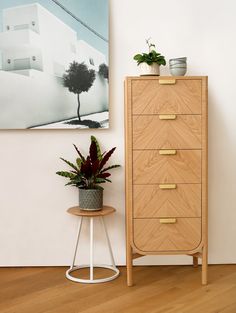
[166, 168]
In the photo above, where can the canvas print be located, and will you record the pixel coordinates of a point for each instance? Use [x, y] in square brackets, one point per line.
[54, 71]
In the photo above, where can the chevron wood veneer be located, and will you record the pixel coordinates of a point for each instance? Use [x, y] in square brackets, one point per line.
[166, 168]
[148, 97]
[149, 132]
[151, 167]
[151, 235]
[151, 201]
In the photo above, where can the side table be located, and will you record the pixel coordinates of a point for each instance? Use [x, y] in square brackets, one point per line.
[106, 210]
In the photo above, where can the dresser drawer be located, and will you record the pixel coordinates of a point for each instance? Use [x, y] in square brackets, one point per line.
[150, 97]
[152, 235]
[167, 131]
[167, 200]
[151, 167]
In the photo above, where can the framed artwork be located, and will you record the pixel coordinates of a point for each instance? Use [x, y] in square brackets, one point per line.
[54, 71]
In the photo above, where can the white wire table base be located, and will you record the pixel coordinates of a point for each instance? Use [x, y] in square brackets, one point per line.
[92, 281]
[91, 266]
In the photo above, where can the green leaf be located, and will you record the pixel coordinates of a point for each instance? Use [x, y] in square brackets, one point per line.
[149, 62]
[99, 154]
[100, 180]
[99, 187]
[110, 167]
[70, 164]
[108, 180]
[79, 153]
[137, 57]
[66, 174]
[77, 179]
[162, 61]
[78, 162]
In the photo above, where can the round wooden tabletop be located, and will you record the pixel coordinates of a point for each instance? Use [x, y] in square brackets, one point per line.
[75, 210]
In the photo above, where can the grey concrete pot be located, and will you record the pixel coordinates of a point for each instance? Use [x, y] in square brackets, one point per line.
[91, 199]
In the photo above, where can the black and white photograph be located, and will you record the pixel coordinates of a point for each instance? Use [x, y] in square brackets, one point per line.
[54, 71]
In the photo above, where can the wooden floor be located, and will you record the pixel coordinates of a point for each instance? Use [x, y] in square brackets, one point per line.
[158, 289]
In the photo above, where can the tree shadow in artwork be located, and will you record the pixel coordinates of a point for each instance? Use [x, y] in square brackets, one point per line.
[88, 123]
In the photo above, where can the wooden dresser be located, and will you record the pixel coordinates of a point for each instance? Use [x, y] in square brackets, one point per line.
[166, 168]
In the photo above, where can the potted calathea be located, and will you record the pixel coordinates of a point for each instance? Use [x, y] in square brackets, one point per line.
[149, 63]
[87, 173]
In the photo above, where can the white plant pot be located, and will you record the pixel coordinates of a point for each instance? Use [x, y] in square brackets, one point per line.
[146, 69]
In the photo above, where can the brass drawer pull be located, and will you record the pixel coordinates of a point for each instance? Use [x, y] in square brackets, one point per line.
[167, 81]
[167, 117]
[168, 186]
[167, 152]
[168, 220]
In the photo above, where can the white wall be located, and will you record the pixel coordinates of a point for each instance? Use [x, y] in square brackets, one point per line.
[34, 107]
[55, 48]
[39, 98]
[34, 228]
[21, 15]
[85, 52]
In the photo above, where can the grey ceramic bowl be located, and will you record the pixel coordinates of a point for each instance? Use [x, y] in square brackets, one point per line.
[177, 62]
[178, 65]
[183, 59]
[178, 71]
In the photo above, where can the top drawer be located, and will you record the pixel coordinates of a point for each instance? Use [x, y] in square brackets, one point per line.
[151, 97]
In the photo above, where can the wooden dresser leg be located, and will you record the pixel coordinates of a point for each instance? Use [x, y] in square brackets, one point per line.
[129, 265]
[195, 261]
[204, 266]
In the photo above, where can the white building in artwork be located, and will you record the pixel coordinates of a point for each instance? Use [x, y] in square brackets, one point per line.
[36, 49]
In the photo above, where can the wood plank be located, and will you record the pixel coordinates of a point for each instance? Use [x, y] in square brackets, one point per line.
[106, 210]
[204, 177]
[158, 289]
[128, 181]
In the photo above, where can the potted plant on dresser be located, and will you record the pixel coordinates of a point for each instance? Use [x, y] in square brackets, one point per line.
[87, 173]
[149, 63]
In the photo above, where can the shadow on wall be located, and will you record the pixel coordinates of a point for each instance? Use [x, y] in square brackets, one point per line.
[221, 178]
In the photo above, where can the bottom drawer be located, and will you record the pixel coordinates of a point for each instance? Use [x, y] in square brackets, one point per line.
[153, 235]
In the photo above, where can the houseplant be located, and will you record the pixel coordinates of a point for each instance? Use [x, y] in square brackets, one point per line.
[87, 173]
[149, 63]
